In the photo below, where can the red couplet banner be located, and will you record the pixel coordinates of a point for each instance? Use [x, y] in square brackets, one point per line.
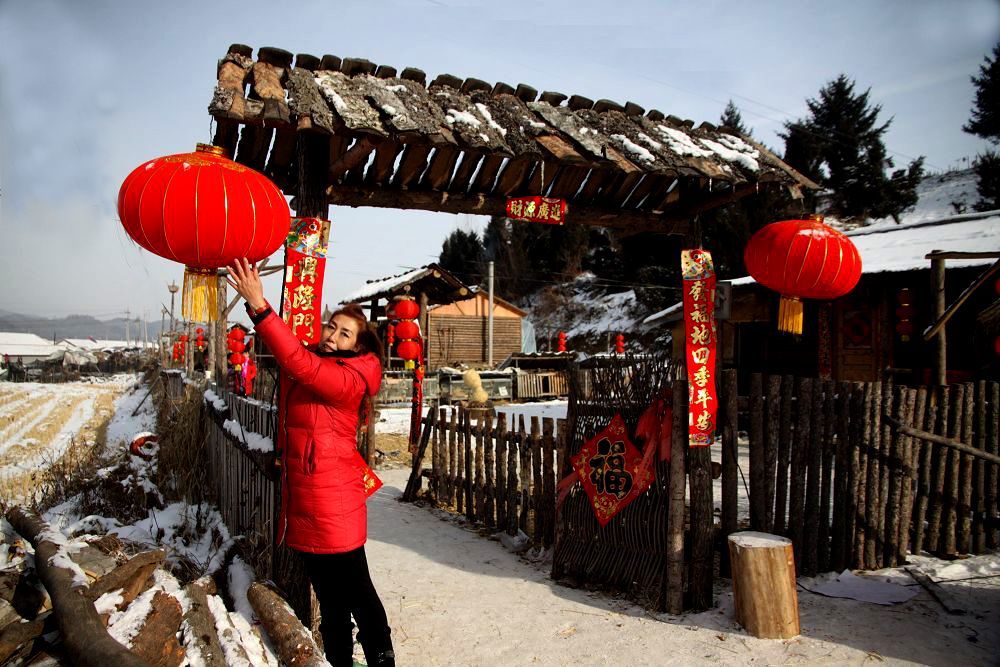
[700, 343]
[305, 262]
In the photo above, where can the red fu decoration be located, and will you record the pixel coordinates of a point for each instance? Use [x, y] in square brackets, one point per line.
[203, 210]
[802, 259]
[611, 470]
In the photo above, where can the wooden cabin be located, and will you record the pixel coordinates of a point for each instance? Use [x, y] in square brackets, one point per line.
[454, 317]
[861, 337]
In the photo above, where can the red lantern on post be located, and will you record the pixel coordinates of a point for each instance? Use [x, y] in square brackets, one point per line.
[408, 350]
[407, 329]
[203, 210]
[802, 259]
[405, 309]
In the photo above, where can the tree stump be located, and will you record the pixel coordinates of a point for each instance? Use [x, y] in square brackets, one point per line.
[763, 568]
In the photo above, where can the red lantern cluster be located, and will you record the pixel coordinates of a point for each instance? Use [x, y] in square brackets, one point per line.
[237, 346]
[199, 339]
[620, 344]
[802, 259]
[406, 330]
[904, 314]
[561, 342]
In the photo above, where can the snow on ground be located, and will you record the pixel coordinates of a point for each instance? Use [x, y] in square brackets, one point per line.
[941, 196]
[454, 598]
[124, 426]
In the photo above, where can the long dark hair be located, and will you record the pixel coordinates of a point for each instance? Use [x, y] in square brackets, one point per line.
[368, 340]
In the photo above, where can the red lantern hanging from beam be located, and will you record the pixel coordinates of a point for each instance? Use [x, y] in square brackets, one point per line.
[205, 211]
[802, 259]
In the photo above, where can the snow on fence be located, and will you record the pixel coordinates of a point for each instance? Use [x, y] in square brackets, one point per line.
[501, 476]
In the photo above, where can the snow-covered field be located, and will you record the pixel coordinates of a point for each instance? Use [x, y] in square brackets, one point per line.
[40, 424]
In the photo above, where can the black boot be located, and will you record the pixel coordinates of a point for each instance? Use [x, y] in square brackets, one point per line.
[338, 643]
[386, 658]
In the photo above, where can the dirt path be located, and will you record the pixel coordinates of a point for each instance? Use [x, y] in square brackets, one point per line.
[455, 598]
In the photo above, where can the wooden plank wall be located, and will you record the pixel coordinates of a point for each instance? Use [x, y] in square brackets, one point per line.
[462, 339]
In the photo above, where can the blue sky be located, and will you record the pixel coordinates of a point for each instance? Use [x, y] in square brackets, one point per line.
[89, 90]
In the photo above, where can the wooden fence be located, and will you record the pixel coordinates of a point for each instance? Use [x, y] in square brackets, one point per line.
[839, 468]
[502, 477]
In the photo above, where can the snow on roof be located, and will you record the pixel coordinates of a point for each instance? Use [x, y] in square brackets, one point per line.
[25, 345]
[102, 344]
[385, 285]
[887, 247]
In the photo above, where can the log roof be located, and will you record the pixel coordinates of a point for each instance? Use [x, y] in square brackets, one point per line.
[463, 145]
[438, 284]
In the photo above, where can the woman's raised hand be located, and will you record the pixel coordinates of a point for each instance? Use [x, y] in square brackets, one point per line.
[245, 279]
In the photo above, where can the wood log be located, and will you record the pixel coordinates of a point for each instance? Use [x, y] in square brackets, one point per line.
[730, 461]
[799, 455]
[460, 475]
[156, 642]
[489, 469]
[810, 532]
[908, 478]
[840, 473]
[935, 511]
[764, 595]
[872, 538]
[133, 578]
[17, 639]
[525, 477]
[893, 508]
[501, 494]
[826, 475]
[784, 453]
[854, 478]
[702, 527]
[771, 435]
[84, 636]
[948, 546]
[416, 472]
[979, 473]
[963, 503]
[292, 642]
[864, 438]
[513, 483]
[548, 495]
[922, 470]
[470, 499]
[993, 447]
[757, 456]
[675, 508]
[199, 629]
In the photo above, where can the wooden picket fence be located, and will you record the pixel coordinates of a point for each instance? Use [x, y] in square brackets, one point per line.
[847, 472]
[502, 477]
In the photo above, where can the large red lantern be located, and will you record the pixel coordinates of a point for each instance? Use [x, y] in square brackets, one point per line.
[205, 211]
[407, 329]
[802, 259]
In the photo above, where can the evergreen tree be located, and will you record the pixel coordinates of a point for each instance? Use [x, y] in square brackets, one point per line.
[732, 118]
[840, 146]
[985, 120]
[985, 123]
[461, 254]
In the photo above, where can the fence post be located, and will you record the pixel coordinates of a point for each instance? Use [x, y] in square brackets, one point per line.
[675, 507]
[758, 485]
[730, 462]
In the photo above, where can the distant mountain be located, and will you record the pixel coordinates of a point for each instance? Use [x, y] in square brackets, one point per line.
[76, 326]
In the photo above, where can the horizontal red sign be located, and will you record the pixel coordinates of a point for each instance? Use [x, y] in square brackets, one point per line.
[547, 210]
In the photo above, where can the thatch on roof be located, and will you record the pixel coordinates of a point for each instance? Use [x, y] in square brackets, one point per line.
[464, 145]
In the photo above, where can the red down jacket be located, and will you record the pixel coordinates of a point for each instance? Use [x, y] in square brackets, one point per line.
[323, 494]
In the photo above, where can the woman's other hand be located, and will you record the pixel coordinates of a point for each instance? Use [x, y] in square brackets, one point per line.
[245, 279]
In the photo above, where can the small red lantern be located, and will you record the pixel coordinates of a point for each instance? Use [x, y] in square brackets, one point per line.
[405, 309]
[802, 259]
[236, 358]
[183, 338]
[620, 344]
[237, 346]
[390, 334]
[561, 342]
[407, 329]
[205, 211]
[408, 350]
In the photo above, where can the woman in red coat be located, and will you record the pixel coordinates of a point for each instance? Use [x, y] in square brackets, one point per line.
[323, 511]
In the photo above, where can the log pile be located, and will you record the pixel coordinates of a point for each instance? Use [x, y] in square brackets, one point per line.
[85, 602]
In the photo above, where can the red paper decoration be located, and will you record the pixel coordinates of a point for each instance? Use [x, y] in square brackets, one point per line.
[547, 210]
[561, 342]
[802, 259]
[611, 470]
[620, 344]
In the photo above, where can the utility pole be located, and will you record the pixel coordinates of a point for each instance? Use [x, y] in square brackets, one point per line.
[145, 333]
[173, 291]
[127, 322]
[489, 330]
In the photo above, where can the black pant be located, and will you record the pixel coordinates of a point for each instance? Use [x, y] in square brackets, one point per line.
[344, 587]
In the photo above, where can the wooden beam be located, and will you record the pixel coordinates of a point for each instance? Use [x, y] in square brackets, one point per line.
[355, 156]
[480, 204]
[943, 318]
[948, 254]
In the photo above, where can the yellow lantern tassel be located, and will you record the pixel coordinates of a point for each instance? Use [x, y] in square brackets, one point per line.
[199, 300]
[790, 314]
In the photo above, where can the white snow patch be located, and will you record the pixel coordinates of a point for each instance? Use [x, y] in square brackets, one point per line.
[485, 111]
[633, 148]
[680, 143]
[746, 160]
[253, 441]
[455, 116]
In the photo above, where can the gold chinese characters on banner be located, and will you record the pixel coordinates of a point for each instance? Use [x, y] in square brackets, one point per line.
[700, 343]
[305, 262]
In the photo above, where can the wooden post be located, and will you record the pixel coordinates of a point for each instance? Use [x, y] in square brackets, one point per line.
[941, 348]
[548, 480]
[470, 512]
[797, 490]
[940, 455]
[964, 497]
[872, 482]
[536, 480]
[949, 525]
[979, 473]
[758, 513]
[513, 484]
[501, 471]
[453, 451]
[810, 533]
[907, 477]
[675, 507]
[893, 508]
[993, 447]
[841, 488]
[826, 478]
[764, 596]
[702, 527]
[784, 450]
[772, 433]
[489, 467]
[922, 471]
[730, 454]
[525, 478]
